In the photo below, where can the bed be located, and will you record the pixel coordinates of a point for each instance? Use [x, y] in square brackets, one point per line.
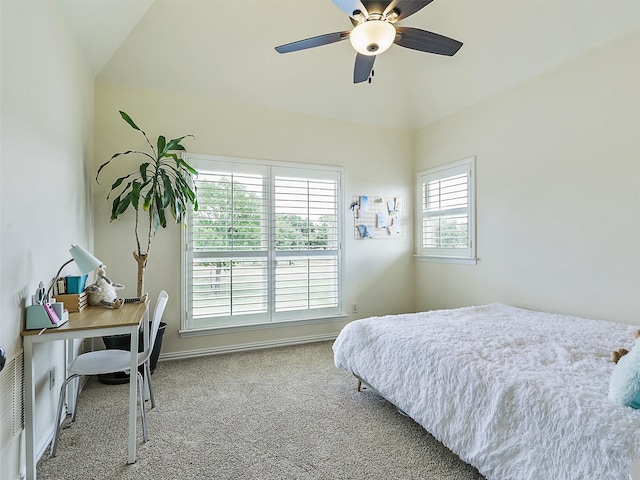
[519, 394]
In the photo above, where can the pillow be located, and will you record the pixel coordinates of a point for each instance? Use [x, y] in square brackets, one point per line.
[624, 385]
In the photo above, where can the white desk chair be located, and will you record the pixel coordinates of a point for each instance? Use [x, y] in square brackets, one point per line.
[103, 362]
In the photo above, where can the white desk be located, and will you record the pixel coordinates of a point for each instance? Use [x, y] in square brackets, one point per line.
[90, 322]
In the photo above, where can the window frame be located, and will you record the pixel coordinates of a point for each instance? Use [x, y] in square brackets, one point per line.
[203, 163]
[452, 255]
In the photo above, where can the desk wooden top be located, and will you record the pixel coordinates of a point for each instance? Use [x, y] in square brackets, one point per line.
[91, 318]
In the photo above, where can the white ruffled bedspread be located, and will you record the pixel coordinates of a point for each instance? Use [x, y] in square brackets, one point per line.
[519, 394]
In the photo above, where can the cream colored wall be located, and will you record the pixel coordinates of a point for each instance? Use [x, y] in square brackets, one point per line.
[45, 201]
[558, 195]
[558, 191]
[379, 273]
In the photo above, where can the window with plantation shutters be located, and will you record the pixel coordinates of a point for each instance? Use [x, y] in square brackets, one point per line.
[264, 245]
[447, 212]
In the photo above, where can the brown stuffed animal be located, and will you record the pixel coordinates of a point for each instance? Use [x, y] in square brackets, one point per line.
[621, 352]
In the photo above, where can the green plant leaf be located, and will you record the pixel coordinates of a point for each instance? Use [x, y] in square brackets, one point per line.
[119, 206]
[122, 192]
[114, 208]
[117, 155]
[119, 181]
[174, 143]
[147, 200]
[160, 212]
[168, 190]
[123, 205]
[174, 156]
[135, 194]
[127, 119]
[175, 211]
[109, 161]
[189, 168]
[161, 144]
[186, 190]
[191, 195]
[143, 171]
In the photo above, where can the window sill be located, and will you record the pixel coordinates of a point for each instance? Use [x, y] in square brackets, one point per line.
[458, 260]
[258, 326]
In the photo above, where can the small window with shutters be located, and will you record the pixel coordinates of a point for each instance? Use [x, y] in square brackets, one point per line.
[446, 206]
[264, 245]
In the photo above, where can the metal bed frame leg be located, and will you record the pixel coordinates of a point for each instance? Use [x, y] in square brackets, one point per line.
[360, 388]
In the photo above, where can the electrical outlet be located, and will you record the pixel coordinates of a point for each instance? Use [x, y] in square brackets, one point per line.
[52, 378]
[354, 308]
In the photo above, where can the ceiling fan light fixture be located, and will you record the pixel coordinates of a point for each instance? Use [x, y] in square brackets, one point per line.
[372, 37]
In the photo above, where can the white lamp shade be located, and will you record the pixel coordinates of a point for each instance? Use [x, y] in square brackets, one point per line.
[84, 260]
[372, 37]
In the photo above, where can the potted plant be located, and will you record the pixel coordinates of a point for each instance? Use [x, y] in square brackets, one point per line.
[162, 183]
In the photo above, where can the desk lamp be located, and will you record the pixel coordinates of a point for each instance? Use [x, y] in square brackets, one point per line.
[84, 260]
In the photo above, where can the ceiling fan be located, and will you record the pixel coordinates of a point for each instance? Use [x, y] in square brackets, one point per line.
[375, 31]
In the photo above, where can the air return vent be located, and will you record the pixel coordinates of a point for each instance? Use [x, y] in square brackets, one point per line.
[11, 400]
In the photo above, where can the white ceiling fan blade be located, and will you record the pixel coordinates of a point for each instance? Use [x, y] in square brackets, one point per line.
[350, 7]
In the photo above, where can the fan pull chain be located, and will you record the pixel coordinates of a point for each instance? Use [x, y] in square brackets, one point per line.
[373, 72]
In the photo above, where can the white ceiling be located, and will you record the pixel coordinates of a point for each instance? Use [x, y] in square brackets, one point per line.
[224, 49]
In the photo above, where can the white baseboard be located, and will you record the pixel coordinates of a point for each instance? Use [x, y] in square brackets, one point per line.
[635, 470]
[247, 346]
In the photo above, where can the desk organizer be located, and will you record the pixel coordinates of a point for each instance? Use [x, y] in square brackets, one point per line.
[38, 318]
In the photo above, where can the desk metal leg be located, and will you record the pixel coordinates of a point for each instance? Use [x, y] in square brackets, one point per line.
[30, 401]
[133, 396]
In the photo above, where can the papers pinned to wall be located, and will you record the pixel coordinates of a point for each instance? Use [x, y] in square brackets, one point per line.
[377, 217]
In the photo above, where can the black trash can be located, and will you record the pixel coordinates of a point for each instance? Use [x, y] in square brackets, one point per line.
[123, 342]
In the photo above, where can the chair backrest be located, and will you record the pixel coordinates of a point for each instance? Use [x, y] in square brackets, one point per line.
[158, 311]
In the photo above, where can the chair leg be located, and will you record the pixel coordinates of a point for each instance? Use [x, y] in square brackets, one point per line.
[75, 398]
[145, 431]
[147, 374]
[61, 399]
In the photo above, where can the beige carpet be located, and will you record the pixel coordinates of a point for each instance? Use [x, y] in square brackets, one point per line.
[282, 413]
